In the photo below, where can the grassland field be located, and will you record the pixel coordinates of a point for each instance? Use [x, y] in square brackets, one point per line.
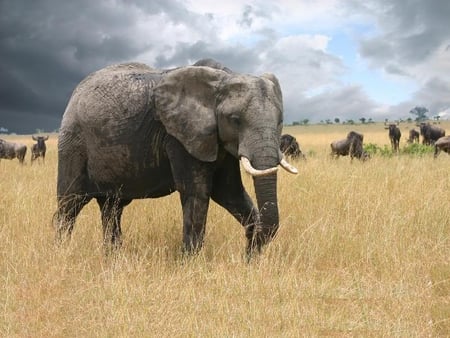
[363, 251]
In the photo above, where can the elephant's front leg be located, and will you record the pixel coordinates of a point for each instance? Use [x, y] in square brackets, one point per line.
[229, 192]
[193, 180]
[195, 209]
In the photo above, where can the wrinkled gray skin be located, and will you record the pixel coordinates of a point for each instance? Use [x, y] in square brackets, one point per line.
[130, 131]
[39, 148]
[430, 133]
[352, 145]
[11, 150]
[442, 144]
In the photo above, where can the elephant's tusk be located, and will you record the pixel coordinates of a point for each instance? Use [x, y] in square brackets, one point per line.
[256, 172]
[288, 167]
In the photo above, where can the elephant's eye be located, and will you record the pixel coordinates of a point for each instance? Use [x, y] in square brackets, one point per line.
[236, 120]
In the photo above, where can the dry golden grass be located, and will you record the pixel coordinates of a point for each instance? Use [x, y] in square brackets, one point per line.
[363, 250]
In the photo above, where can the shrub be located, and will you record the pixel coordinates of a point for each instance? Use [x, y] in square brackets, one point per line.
[417, 149]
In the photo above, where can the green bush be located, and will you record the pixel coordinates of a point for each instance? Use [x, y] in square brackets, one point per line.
[417, 149]
[374, 149]
[410, 149]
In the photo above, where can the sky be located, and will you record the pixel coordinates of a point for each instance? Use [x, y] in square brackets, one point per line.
[343, 59]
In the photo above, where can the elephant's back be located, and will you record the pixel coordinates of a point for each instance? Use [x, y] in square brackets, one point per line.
[115, 98]
[108, 123]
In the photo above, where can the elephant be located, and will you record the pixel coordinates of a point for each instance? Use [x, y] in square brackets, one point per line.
[131, 131]
[10, 150]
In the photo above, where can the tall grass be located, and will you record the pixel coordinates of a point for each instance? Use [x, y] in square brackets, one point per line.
[363, 250]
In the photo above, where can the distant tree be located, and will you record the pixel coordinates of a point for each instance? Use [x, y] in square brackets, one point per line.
[337, 120]
[305, 121]
[436, 117]
[420, 112]
[370, 120]
[409, 119]
[328, 121]
[295, 123]
[363, 120]
[350, 121]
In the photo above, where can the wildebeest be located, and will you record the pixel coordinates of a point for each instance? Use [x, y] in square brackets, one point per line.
[290, 147]
[39, 148]
[394, 135]
[413, 136]
[442, 144]
[352, 145]
[10, 150]
[430, 133]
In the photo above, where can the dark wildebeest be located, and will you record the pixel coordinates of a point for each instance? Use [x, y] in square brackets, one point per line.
[10, 150]
[442, 144]
[290, 147]
[352, 145]
[413, 136]
[394, 135]
[430, 133]
[39, 148]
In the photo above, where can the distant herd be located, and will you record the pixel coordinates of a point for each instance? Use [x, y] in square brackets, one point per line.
[351, 146]
[11, 150]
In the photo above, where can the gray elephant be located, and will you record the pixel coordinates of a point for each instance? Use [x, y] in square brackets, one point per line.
[10, 150]
[130, 131]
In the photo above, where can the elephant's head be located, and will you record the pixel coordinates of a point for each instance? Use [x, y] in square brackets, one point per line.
[205, 108]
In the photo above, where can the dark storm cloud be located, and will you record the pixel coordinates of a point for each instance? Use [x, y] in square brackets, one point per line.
[238, 60]
[47, 47]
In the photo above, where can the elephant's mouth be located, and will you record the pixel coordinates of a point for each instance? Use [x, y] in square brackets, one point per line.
[265, 172]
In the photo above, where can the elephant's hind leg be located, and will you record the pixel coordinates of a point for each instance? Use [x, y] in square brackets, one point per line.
[111, 209]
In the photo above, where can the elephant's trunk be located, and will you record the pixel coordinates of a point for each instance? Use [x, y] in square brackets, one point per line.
[266, 196]
[265, 157]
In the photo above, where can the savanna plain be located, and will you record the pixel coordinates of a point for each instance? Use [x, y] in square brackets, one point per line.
[362, 251]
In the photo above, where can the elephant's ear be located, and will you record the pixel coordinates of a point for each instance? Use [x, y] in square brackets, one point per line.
[271, 77]
[185, 102]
